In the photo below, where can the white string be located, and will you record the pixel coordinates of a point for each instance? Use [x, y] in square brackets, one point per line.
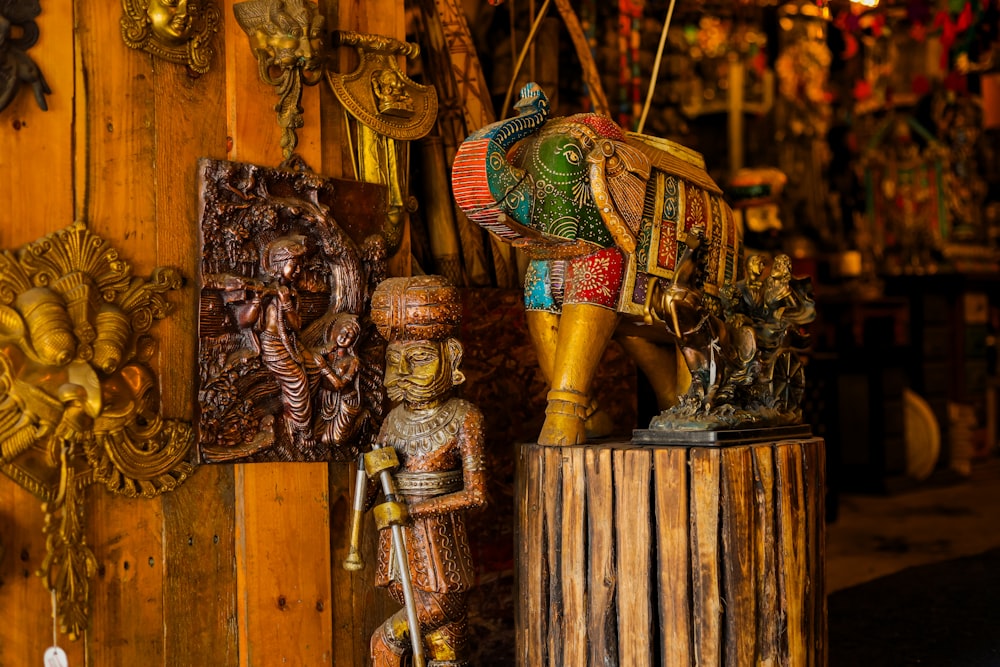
[656, 67]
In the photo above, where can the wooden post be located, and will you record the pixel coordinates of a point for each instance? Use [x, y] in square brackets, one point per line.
[671, 555]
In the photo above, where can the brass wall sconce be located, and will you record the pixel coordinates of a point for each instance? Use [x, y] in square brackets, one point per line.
[390, 110]
[18, 33]
[287, 40]
[179, 31]
[78, 403]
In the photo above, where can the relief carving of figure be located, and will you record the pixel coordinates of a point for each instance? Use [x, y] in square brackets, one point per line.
[430, 449]
[287, 351]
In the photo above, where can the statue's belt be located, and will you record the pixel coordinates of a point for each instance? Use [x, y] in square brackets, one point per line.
[429, 483]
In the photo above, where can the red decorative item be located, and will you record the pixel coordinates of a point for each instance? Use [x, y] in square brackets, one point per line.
[862, 90]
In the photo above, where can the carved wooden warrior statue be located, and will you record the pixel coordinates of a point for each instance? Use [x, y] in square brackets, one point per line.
[429, 459]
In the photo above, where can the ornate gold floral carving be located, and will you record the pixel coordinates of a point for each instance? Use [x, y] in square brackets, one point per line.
[78, 402]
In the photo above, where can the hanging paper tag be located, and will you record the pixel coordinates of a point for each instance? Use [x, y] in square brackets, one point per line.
[56, 657]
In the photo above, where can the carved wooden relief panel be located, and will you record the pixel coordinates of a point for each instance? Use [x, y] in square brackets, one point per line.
[290, 367]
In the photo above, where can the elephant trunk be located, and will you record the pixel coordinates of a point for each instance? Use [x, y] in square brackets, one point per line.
[485, 184]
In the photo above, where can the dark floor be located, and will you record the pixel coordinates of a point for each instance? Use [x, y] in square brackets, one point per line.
[945, 614]
[914, 578]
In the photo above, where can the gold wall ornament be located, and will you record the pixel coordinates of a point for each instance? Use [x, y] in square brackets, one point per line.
[179, 31]
[390, 110]
[287, 39]
[78, 402]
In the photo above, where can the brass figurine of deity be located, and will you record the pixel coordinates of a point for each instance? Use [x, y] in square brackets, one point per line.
[287, 39]
[390, 110]
[79, 403]
[428, 461]
[289, 364]
[18, 33]
[179, 31]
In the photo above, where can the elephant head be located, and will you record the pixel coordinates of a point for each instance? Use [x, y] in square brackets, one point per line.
[560, 187]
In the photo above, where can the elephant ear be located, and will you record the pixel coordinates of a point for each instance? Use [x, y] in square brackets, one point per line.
[618, 177]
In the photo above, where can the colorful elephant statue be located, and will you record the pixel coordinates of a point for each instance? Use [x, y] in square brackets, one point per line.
[600, 213]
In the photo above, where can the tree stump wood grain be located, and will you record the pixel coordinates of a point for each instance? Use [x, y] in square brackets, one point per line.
[671, 555]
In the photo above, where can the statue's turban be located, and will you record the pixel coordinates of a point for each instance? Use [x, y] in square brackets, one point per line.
[416, 308]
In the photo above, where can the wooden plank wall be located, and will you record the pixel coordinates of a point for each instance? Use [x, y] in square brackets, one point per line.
[241, 566]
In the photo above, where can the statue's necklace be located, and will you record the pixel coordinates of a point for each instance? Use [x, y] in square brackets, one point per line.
[418, 433]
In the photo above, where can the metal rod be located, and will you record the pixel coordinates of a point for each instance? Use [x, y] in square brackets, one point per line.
[354, 561]
[403, 567]
[656, 67]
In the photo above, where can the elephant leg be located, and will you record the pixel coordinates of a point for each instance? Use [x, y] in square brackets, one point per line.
[584, 332]
[544, 329]
[659, 364]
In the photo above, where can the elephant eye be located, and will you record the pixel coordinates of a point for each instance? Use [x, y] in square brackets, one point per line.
[572, 155]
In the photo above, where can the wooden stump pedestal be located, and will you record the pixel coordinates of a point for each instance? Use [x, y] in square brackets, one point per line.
[671, 555]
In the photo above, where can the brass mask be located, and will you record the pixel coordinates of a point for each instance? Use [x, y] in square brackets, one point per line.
[179, 31]
[287, 39]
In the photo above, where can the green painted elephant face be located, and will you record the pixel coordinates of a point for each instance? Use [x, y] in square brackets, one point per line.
[562, 199]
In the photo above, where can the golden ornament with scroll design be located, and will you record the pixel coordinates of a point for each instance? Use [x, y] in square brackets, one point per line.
[78, 402]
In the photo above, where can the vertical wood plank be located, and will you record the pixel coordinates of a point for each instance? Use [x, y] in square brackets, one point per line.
[358, 607]
[602, 576]
[791, 532]
[283, 572]
[119, 136]
[190, 123]
[532, 573]
[199, 588]
[24, 594]
[127, 613]
[769, 624]
[670, 466]
[707, 609]
[35, 145]
[574, 564]
[739, 590]
[35, 163]
[552, 504]
[633, 517]
[814, 477]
